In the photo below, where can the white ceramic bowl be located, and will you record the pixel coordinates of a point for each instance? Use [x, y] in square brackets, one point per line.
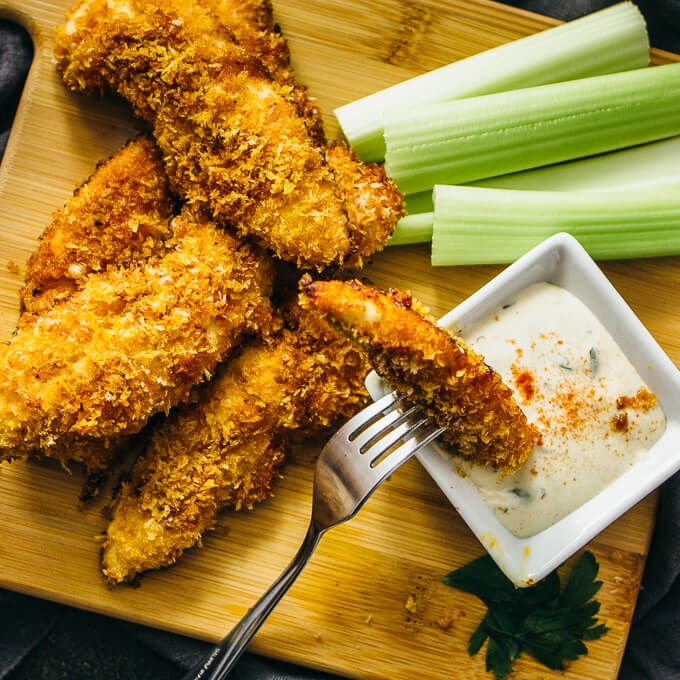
[562, 261]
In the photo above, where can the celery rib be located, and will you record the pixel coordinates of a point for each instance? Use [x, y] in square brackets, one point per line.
[416, 228]
[611, 40]
[474, 225]
[649, 166]
[472, 139]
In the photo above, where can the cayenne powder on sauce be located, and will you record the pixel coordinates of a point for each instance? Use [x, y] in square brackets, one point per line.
[571, 380]
[524, 382]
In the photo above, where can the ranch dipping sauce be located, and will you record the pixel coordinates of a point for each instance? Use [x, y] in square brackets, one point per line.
[593, 411]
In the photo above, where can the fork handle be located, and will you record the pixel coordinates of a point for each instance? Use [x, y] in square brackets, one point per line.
[225, 655]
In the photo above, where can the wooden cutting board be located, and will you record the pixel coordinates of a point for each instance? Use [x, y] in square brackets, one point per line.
[346, 613]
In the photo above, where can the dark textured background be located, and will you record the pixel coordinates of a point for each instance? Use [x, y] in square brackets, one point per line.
[43, 641]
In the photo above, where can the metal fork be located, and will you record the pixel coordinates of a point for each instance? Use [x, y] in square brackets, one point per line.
[352, 465]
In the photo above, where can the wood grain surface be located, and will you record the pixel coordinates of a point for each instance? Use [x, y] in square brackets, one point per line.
[346, 613]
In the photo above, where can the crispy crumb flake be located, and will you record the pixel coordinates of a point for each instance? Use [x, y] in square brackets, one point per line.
[410, 605]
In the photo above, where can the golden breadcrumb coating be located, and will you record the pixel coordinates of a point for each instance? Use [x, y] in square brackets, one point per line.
[232, 141]
[253, 26]
[225, 450]
[432, 367]
[131, 343]
[373, 202]
[119, 215]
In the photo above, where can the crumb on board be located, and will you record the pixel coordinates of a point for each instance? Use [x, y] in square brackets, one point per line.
[13, 267]
[317, 637]
[369, 619]
[445, 622]
[410, 605]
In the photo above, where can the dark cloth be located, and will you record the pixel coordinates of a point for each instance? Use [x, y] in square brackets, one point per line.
[16, 53]
[39, 639]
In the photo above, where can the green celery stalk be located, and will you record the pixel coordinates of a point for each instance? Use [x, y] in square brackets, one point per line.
[611, 40]
[655, 165]
[475, 225]
[471, 139]
[416, 228]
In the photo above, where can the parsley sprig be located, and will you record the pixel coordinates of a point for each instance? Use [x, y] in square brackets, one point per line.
[550, 625]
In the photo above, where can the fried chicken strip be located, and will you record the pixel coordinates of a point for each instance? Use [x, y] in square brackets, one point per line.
[233, 143]
[118, 216]
[432, 367]
[253, 26]
[225, 450]
[131, 343]
[373, 202]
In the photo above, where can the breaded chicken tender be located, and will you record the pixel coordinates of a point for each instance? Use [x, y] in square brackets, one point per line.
[374, 204]
[232, 141]
[432, 367]
[131, 343]
[225, 450]
[118, 216]
[253, 26]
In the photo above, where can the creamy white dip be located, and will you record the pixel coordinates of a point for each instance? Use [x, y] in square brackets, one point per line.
[567, 374]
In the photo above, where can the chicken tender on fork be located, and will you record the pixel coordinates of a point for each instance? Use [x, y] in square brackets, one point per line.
[130, 343]
[118, 216]
[225, 450]
[431, 367]
[232, 141]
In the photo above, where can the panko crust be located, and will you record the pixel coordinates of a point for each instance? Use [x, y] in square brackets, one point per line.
[374, 204]
[252, 22]
[232, 141]
[131, 343]
[119, 215]
[225, 450]
[432, 367]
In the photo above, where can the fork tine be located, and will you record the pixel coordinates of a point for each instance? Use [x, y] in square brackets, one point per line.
[391, 419]
[403, 432]
[408, 449]
[388, 402]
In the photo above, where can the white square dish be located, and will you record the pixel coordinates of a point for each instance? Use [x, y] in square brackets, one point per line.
[562, 261]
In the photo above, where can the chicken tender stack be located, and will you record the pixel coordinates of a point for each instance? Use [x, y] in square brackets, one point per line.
[432, 367]
[233, 142]
[130, 311]
[118, 216]
[131, 343]
[225, 450]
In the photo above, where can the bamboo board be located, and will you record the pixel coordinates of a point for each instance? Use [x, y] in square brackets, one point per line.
[346, 613]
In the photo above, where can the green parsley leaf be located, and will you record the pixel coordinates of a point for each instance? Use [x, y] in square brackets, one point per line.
[478, 638]
[550, 625]
[582, 585]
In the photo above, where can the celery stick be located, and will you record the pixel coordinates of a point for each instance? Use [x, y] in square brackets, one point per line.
[416, 228]
[655, 165]
[419, 203]
[471, 139]
[646, 166]
[608, 41]
[474, 225]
